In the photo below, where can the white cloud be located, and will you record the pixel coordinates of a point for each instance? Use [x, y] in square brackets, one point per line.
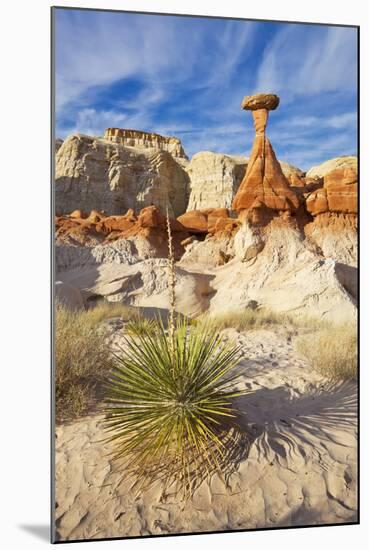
[92, 122]
[99, 49]
[306, 60]
[94, 50]
[342, 121]
[233, 46]
[203, 63]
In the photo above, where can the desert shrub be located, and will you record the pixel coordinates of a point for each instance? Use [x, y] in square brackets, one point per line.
[167, 398]
[245, 319]
[332, 351]
[105, 310]
[81, 359]
[248, 319]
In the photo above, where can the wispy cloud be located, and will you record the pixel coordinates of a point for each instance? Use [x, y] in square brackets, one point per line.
[341, 121]
[98, 49]
[187, 76]
[90, 121]
[301, 60]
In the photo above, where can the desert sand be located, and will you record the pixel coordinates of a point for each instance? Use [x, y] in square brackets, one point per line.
[297, 465]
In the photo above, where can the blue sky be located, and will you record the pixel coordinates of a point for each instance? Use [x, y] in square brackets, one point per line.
[187, 76]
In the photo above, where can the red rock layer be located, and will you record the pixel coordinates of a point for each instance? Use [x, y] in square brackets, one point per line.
[211, 220]
[264, 183]
[150, 223]
[338, 194]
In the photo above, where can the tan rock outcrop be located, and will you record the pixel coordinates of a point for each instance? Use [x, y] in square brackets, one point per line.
[316, 202]
[58, 144]
[105, 174]
[335, 235]
[195, 221]
[294, 176]
[96, 173]
[116, 223]
[214, 179]
[143, 284]
[248, 242]
[334, 207]
[276, 268]
[328, 166]
[260, 101]
[137, 139]
[264, 183]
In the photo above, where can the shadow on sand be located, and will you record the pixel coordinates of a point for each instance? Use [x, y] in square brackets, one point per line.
[289, 425]
[181, 475]
[284, 425]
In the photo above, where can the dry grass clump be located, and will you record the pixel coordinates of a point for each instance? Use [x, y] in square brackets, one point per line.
[81, 358]
[246, 319]
[107, 310]
[332, 351]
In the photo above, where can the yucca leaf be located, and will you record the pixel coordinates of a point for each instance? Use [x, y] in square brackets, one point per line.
[165, 404]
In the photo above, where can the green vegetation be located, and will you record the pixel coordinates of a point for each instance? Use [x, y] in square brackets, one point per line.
[140, 326]
[167, 399]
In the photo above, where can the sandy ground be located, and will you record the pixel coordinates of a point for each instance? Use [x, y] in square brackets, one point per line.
[299, 467]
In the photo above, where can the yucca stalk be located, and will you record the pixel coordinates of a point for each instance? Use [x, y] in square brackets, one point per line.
[172, 285]
[166, 410]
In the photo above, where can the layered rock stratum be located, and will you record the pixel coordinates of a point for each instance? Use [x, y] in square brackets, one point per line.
[244, 230]
[328, 166]
[334, 209]
[214, 179]
[97, 173]
[131, 169]
[136, 138]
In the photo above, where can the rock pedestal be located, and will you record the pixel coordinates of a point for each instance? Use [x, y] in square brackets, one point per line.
[264, 186]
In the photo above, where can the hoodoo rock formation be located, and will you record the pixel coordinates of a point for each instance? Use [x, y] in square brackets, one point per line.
[264, 185]
[290, 243]
[136, 138]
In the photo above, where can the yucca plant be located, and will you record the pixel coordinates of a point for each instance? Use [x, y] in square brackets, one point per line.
[167, 402]
[169, 397]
